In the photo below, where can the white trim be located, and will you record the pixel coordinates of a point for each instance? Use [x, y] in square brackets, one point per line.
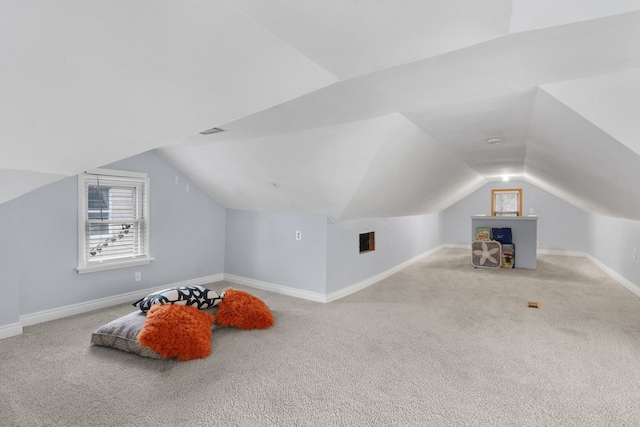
[616, 276]
[10, 330]
[333, 296]
[608, 270]
[561, 253]
[73, 309]
[378, 277]
[278, 289]
[58, 313]
[454, 246]
[82, 264]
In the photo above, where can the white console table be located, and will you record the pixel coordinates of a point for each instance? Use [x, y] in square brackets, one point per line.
[524, 230]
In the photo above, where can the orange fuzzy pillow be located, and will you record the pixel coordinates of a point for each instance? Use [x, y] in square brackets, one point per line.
[244, 311]
[177, 330]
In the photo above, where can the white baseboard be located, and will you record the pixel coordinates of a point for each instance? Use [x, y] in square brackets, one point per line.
[73, 309]
[319, 297]
[454, 246]
[10, 330]
[616, 276]
[561, 253]
[70, 310]
[278, 289]
[611, 272]
[380, 276]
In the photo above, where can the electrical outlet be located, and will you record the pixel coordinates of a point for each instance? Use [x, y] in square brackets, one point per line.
[635, 253]
[530, 211]
[298, 235]
[138, 276]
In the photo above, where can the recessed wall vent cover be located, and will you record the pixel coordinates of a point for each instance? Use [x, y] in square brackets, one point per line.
[212, 130]
[532, 304]
[368, 242]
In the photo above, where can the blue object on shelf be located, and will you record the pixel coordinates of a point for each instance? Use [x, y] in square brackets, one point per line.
[502, 235]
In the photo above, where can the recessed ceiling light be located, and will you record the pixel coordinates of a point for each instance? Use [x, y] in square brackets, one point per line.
[505, 178]
[493, 141]
[212, 130]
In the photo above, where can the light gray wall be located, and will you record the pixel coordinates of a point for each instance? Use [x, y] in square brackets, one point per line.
[397, 240]
[561, 226]
[187, 227]
[192, 236]
[187, 240]
[11, 249]
[263, 247]
[612, 241]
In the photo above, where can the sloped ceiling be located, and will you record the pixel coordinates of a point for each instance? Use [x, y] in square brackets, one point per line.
[350, 108]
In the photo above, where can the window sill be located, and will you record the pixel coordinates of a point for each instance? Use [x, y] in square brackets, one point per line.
[113, 265]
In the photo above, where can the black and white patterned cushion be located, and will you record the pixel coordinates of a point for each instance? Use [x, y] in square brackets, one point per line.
[186, 295]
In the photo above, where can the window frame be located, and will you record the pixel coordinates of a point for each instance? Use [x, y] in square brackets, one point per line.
[517, 191]
[134, 179]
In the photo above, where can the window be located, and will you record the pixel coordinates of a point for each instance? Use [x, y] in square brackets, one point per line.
[113, 220]
[367, 242]
[506, 202]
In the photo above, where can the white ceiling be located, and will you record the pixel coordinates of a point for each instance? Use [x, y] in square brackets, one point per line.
[350, 108]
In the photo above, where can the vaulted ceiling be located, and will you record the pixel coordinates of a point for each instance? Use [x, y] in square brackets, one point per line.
[351, 108]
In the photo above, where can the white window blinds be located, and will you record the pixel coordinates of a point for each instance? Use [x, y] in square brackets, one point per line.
[114, 208]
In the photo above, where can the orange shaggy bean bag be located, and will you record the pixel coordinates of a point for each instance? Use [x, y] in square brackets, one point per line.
[244, 311]
[177, 330]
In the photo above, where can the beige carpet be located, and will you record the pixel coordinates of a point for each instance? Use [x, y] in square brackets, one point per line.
[440, 343]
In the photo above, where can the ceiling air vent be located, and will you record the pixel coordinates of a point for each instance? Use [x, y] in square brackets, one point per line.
[212, 130]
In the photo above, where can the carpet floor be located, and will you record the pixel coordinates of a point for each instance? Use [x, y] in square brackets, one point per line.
[439, 343]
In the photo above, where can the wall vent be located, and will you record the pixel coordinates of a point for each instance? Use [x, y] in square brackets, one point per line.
[212, 130]
[367, 242]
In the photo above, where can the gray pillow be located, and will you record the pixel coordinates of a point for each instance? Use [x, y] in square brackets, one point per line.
[122, 334]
